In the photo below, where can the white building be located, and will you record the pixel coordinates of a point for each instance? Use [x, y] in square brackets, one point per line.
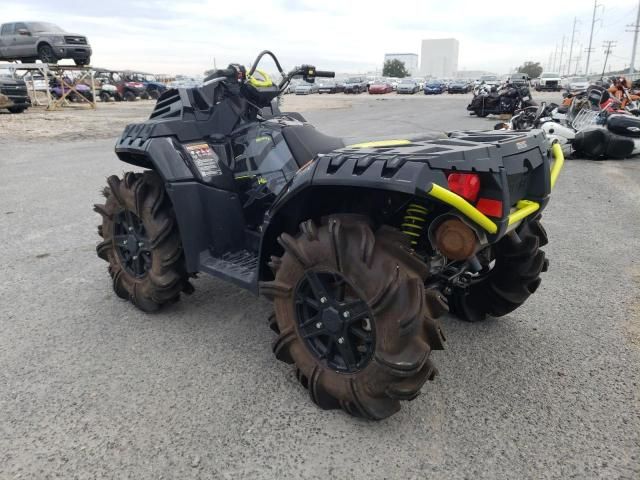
[410, 60]
[439, 57]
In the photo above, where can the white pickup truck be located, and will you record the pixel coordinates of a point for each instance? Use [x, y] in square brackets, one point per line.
[550, 81]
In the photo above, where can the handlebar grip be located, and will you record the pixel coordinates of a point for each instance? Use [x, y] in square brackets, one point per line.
[326, 74]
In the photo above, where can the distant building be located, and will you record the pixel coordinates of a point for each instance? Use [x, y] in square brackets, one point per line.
[439, 57]
[410, 60]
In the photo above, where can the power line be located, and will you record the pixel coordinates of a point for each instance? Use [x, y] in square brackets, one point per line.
[573, 35]
[608, 45]
[590, 49]
[635, 28]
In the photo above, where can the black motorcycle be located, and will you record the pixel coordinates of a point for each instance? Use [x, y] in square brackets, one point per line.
[506, 100]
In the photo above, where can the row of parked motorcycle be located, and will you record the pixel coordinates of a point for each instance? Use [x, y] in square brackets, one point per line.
[600, 122]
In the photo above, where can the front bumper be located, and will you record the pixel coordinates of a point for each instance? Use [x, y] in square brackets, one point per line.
[75, 52]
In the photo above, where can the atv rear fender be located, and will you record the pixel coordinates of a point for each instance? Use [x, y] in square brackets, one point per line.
[515, 169]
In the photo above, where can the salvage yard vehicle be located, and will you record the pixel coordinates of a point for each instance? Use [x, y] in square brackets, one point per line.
[549, 81]
[44, 41]
[153, 88]
[126, 90]
[408, 86]
[434, 87]
[13, 92]
[380, 87]
[360, 247]
[355, 85]
[459, 86]
[330, 87]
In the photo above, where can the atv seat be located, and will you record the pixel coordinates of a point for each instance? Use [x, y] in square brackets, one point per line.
[305, 142]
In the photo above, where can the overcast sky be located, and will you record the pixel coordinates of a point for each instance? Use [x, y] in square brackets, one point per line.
[184, 36]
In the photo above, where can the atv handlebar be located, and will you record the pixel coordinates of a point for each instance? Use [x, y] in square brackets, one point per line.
[325, 74]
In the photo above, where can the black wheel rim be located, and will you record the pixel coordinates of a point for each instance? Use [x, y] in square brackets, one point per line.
[131, 243]
[46, 54]
[335, 323]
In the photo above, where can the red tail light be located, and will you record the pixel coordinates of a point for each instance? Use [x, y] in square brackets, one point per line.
[467, 185]
[490, 207]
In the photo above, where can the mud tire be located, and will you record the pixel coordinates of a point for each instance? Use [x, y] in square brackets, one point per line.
[385, 273]
[513, 279]
[144, 195]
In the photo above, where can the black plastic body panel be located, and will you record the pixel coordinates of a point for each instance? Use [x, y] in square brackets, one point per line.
[209, 219]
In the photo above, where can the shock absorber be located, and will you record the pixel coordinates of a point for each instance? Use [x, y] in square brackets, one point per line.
[413, 224]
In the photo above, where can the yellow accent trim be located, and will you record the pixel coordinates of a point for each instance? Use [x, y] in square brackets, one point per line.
[464, 207]
[266, 82]
[411, 217]
[412, 234]
[558, 162]
[380, 144]
[524, 208]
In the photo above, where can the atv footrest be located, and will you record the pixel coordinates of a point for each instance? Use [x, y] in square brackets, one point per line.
[238, 267]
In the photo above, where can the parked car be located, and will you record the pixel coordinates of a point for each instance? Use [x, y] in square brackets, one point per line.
[407, 85]
[306, 88]
[434, 87]
[380, 87]
[576, 84]
[459, 86]
[519, 79]
[355, 85]
[13, 92]
[28, 41]
[330, 87]
[550, 81]
[490, 80]
[36, 82]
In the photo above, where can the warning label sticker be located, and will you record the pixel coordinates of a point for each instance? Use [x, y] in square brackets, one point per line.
[204, 158]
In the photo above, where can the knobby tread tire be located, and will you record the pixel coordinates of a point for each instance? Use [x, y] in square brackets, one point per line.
[383, 271]
[144, 195]
[514, 278]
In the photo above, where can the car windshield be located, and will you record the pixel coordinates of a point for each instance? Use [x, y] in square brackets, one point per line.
[407, 81]
[579, 80]
[550, 75]
[44, 27]
[434, 84]
[379, 83]
[354, 80]
[489, 78]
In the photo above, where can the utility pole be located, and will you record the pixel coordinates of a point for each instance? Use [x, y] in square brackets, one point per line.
[561, 55]
[635, 28]
[608, 48]
[573, 35]
[589, 50]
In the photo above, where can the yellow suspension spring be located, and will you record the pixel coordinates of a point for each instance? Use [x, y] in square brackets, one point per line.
[414, 220]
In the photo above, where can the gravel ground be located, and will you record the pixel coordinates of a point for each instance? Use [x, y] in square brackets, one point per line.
[92, 388]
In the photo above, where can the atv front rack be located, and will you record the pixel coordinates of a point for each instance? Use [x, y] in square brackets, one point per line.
[523, 209]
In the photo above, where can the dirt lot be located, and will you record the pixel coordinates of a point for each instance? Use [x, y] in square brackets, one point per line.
[79, 122]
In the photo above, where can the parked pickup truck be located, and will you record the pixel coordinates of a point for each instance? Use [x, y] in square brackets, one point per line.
[13, 92]
[29, 41]
[549, 81]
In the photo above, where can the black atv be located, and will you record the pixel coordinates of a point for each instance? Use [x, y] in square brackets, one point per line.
[361, 247]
